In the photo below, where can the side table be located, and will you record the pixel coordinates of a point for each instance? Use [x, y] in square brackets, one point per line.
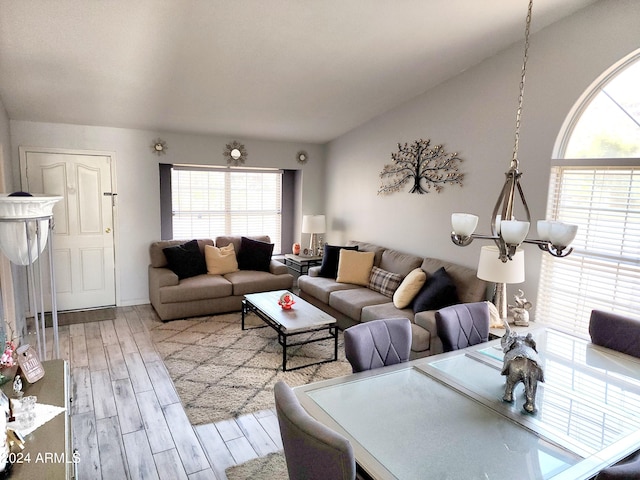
[300, 265]
[48, 450]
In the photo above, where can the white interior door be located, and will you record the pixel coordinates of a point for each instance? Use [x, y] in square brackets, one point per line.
[83, 242]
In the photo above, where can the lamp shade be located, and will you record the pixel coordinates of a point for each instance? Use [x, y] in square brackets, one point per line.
[492, 269]
[313, 224]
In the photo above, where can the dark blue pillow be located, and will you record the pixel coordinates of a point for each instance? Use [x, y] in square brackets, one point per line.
[330, 259]
[438, 292]
[186, 260]
[254, 255]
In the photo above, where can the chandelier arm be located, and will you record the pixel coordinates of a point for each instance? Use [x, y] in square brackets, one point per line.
[524, 200]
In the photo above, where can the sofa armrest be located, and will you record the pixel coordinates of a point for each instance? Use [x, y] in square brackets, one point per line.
[162, 277]
[278, 268]
[427, 320]
[314, 271]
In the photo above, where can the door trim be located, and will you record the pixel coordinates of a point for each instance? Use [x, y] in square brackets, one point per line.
[114, 187]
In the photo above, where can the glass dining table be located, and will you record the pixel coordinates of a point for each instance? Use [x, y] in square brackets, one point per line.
[443, 417]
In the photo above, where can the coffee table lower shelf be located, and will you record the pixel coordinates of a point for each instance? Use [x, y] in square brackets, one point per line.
[284, 335]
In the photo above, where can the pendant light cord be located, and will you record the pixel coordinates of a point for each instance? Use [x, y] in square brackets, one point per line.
[514, 160]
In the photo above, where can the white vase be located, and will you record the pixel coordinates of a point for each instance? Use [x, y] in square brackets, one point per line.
[13, 234]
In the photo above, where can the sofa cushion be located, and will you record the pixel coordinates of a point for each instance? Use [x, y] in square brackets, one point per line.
[470, 287]
[384, 310]
[321, 287]
[254, 255]
[201, 287]
[368, 247]
[384, 282]
[329, 267]
[185, 260]
[398, 262]
[224, 240]
[420, 339]
[157, 257]
[220, 260]
[438, 291]
[355, 267]
[253, 281]
[351, 302]
[409, 287]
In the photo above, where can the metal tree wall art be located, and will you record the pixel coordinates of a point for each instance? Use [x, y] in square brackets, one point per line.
[426, 166]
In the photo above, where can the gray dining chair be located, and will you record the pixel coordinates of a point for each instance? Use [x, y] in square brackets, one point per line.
[627, 469]
[378, 343]
[312, 450]
[462, 325]
[615, 331]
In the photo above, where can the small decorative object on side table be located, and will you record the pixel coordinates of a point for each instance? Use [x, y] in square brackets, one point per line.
[520, 310]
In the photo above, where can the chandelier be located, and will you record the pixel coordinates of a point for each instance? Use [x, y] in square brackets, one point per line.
[506, 231]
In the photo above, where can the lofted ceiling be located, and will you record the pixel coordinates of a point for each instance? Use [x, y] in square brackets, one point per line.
[297, 70]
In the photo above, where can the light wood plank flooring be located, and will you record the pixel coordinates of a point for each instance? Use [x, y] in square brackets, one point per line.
[127, 420]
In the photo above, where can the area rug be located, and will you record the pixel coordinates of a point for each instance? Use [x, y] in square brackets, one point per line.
[270, 467]
[221, 372]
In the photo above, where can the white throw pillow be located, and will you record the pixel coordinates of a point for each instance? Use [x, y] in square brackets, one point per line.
[409, 288]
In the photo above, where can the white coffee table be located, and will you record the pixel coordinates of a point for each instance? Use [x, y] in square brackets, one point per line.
[302, 318]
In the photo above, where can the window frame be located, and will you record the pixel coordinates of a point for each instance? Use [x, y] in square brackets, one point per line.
[168, 211]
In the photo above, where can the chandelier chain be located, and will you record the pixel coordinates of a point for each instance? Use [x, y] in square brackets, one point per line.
[514, 161]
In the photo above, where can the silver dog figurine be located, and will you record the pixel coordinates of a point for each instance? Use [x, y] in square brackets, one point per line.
[521, 364]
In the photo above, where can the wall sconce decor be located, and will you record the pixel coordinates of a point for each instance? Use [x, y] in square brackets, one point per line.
[302, 157]
[235, 153]
[507, 232]
[159, 146]
[426, 166]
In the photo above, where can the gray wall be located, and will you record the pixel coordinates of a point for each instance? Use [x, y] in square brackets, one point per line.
[474, 115]
[138, 187]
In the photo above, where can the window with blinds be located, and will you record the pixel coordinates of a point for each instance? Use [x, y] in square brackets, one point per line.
[603, 272]
[210, 202]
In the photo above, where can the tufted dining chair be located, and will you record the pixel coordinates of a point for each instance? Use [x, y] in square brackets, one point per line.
[312, 450]
[615, 331]
[460, 326]
[378, 343]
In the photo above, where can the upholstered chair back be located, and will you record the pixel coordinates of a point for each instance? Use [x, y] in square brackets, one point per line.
[460, 326]
[378, 343]
[312, 450]
[615, 331]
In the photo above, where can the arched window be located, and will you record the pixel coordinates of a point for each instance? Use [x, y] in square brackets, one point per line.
[595, 183]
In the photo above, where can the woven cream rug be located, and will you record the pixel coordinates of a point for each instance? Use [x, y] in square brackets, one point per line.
[270, 467]
[221, 371]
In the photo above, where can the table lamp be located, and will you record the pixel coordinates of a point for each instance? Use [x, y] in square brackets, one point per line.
[313, 224]
[492, 269]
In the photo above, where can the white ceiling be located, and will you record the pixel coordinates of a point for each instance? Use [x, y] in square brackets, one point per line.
[299, 70]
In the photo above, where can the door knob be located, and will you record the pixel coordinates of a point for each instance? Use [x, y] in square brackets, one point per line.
[108, 230]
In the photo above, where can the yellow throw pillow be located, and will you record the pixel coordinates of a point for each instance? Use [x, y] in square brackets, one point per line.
[409, 288]
[355, 267]
[220, 260]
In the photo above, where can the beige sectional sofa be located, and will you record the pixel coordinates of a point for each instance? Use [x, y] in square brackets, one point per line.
[351, 304]
[207, 294]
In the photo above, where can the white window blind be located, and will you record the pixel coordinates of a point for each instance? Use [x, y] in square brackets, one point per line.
[209, 202]
[603, 272]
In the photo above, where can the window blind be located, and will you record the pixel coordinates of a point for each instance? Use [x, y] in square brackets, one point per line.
[211, 202]
[603, 272]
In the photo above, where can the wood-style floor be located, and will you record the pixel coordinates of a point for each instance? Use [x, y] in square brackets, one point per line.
[127, 420]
